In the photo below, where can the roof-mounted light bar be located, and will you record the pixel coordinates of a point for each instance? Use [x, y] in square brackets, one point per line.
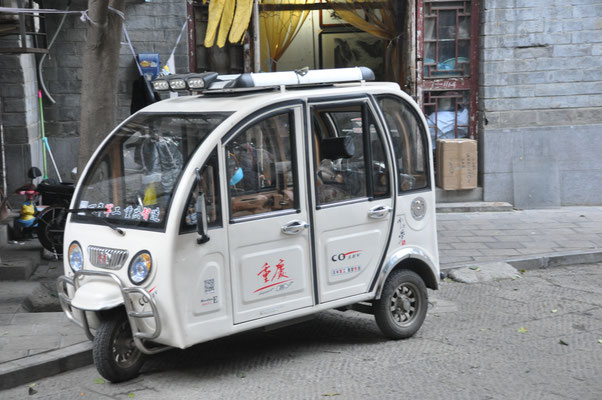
[184, 82]
[210, 80]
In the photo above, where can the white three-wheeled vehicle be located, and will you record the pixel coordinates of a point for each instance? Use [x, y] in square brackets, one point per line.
[260, 199]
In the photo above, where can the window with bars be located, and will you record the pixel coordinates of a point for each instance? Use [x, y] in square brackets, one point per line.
[446, 38]
[447, 114]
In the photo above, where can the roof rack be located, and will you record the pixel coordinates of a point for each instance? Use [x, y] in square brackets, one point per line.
[211, 81]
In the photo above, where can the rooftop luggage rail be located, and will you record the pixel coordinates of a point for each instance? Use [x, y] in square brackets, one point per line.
[211, 81]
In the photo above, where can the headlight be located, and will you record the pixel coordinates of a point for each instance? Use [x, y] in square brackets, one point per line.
[76, 256]
[140, 267]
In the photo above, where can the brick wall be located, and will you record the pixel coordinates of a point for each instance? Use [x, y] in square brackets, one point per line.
[540, 101]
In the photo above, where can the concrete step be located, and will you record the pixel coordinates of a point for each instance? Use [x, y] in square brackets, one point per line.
[477, 206]
[18, 260]
[13, 295]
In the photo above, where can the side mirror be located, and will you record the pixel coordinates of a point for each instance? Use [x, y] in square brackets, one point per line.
[201, 212]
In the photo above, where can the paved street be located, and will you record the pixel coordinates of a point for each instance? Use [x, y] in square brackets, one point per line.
[535, 337]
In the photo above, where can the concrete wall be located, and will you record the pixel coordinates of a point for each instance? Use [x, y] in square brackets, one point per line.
[540, 102]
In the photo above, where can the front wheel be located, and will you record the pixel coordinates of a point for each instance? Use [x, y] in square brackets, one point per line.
[115, 354]
[401, 310]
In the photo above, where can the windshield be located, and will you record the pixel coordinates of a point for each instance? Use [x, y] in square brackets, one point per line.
[135, 174]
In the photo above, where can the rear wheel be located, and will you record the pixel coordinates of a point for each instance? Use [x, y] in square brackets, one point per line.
[402, 307]
[51, 227]
[115, 354]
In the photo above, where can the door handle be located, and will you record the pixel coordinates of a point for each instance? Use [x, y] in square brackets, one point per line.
[379, 212]
[294, 227]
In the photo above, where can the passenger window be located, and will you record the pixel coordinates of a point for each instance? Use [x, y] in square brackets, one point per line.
[260, 164]
[210, 187]
[342, 160]
[408, 143]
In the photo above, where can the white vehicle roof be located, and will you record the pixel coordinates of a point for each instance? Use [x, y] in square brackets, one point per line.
[244, 101]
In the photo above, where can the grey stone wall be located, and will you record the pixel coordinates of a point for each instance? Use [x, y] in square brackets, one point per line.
[540, 101]
[153, 28]
[20, 116]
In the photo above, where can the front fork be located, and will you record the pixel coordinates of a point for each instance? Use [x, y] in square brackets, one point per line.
[139, 337]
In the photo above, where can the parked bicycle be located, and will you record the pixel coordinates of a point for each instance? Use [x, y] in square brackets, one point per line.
[49, 222]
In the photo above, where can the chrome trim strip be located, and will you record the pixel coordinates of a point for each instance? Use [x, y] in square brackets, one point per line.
[396, 258]
[67, 306]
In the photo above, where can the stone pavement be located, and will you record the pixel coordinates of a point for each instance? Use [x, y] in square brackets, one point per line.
[467, 238]
[34, 345]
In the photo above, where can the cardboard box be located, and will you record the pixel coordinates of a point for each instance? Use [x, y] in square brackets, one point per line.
[456, 164]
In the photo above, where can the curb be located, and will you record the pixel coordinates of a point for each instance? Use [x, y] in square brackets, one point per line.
[475, 206]
[28, 369]
[543, 261]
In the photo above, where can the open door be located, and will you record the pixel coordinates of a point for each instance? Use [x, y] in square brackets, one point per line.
[354, 199]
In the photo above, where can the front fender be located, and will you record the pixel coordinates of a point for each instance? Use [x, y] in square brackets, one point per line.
[97, 296]
[423, 266]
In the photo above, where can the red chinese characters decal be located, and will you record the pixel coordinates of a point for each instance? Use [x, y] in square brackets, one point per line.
[273, 276]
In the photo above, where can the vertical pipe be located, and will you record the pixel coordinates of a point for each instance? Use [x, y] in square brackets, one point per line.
[43, 134]
[256, 44]
[4, 186]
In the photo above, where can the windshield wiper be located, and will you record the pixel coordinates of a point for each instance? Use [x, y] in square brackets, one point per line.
[104, 221]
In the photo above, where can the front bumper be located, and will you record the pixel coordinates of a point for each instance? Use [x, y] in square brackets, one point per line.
[127, 293]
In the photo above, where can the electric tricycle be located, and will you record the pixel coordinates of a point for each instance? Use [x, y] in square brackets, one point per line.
[257, 200]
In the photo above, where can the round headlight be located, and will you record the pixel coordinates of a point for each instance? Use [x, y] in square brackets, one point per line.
[76, 256]
[140, 267]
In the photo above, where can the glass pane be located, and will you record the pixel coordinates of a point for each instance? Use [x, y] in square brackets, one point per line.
[447, 24]
[429, 28]
[464, 28]
[340, 168]
[135, 174]
[463, 51]
[260, 168]
[210, 188]
[380, 170]
[447, 52]
[429, 54]
[408, 143]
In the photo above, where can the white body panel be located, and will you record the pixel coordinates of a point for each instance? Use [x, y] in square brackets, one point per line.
[206, 291]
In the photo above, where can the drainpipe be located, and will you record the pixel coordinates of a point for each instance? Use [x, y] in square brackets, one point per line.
[2, 150]
[256, 45]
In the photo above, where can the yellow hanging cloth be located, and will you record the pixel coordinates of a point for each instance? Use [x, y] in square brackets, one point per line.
[150, 195]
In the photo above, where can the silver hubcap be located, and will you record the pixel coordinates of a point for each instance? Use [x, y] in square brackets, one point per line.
[404, 304]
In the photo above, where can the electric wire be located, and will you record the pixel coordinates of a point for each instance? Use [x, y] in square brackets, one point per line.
[40, 64]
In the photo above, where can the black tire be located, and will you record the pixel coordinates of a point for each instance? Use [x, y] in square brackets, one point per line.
[115, 354]
[401, 310]
[51, 228]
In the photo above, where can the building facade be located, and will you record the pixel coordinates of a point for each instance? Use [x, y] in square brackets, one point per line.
[523, 77]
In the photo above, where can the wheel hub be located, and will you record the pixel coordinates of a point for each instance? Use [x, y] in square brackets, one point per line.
[403, 304]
